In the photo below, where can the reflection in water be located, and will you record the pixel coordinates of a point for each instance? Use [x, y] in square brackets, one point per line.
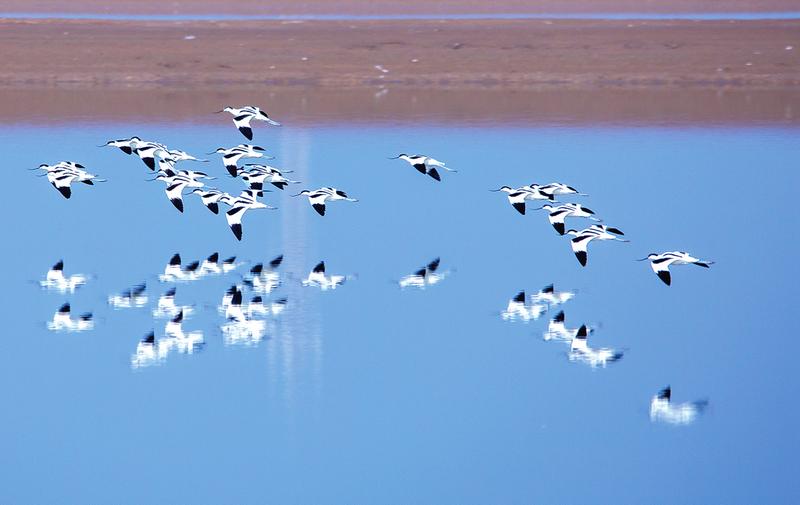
[151, 352]
[166, 306]
[244, 327]
[557, 330]
[662, 409]
[550, 296]
[426, 276]
[175, 272]
[519, 309]
[580, 352]
[133, 297]
[56, 280]
[265, 280]
[63, 321]
[317, 278]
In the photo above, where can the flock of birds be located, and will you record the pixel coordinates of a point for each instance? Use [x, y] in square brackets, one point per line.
[246, 322]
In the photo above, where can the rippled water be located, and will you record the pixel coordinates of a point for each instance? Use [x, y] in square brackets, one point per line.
[373, 393]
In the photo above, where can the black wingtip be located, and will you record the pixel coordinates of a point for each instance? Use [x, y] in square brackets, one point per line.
[150, 162]
[559, 318]
[615, 231]
[65, 191]
[280, 185]
[64, 309]
[582, 257]
[59, 265]
[702, 264]
[665, 394]
[178, 318]
[548, 289]
[236, 299]
[126, 149]
[319, 208]
[236, 228]
[191, 267]
[583, 332]
[170, 292]
[560, 228]
[175, 260]
[320, 268]
[213, 207]
[520, 298]
[257, 299]
[214, 258]
[275, 263]
[665, 277]
[520, 206]
[150, 338]
[247, 132]
[435, 174]
[257, 268]
[178, 203]
[230, 261]
[232, 169]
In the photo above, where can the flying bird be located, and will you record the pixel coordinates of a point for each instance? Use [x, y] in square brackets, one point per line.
[55, 279]
[232, 155]
[244, 115]
[318, 278]
[424, 164]
[582, 353]
[660, 263]
[581, 239]
[557, 215]
[518, 196]
[63, 321]
[663, 410]
[247, 200]
[425, 276]
[319, 197]
[520, 308]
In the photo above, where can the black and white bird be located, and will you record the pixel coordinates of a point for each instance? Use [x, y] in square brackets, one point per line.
[558, 188]
[580, 352]
[552, 297]
[425, 276]
[319, 197]
[149, 152]
[557, 215]
[518, 196]
[256, 175]
[133, 297]
[211, 198]
[242, 117]
[64, 173]
[521, 308]
[232, 155]
[166, 306]
[317, 278]
[56, 280]
[265, 280]
[660, 263]
[175, 185]
[663, 410]
[247, 200]
[557, 329]
[180, 340]
[424, 164]
[127, 146]
[581, 239]
[63, 321]
[176, 155]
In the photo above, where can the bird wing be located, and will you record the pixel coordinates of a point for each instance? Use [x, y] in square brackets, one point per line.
[175, 193]
[234, 218]
[242, 122]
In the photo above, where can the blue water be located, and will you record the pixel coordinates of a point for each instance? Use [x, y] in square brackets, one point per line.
[696, 16]
[373, 394]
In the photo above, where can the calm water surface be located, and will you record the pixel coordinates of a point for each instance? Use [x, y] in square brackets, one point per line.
[373, 394]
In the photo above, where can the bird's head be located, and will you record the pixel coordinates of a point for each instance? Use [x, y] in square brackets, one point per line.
[401, 156]
[227, 108]
[303, 193]
[571, 232]
[504, 189]
[650, 256]
[219, 150]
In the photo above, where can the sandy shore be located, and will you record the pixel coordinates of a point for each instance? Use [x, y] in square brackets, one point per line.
[659, 71]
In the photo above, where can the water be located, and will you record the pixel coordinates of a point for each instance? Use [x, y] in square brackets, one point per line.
[624, 16]
[369, 393]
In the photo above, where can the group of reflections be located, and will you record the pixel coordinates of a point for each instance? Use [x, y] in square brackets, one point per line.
[557, 214]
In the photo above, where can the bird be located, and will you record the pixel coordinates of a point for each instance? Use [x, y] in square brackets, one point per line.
[318, 197]
[557, 215]
[557, 330]
[258, 174]
[148, 151]
[146, 352]
[558, 188]
[185, 343]
[663, 410]
[263, 280]
[519, 308]
[242, 117]
[133, 297]
[580, 242]
[63, 321]
[317, 278]
[424, 164]
[580, 352]
[660, 263]
[550, 296]
[518, 196]
[64, 173]
[175, 186]
[177, 155]
[241, 328]
[166, 306]
[172, 271]
[245, 201]
[425, 276]
[55, 279]
[125, 145]
[211, 198]
[257, 307]
[232, 155]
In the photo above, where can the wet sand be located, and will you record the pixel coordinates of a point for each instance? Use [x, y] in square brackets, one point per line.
[657, 70]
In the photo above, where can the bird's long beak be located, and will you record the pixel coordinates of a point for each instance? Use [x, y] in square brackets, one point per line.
[42, 175]
[394, 158]
[107, 143]
[154, 179]
[298, 194]
[273, 122]
[35, 168]
[643, 259]
[539, 208]
[219, 111]
[494, 190]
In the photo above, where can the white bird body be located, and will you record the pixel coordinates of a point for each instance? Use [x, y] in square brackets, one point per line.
[175, 185]
[241, 329]
[63, 321]
[265, 280]
[258, 174]
[557, 329]
[558, 214]
[426, 276]
[64, 173]
[243, 116]
[55, 279]
[178, 155]
[519, 308]
[550, 296]
[247, 200]
[581, 239]
[558, 188]
[580, 352]
[148, 152]
[319, 197]
[127, 146]
[176, 338]
[134, 297]
[518, 196]
[318, 278]
[663, 410]
[425, 164]
[166, 306]
[232, 155]
[660, 263]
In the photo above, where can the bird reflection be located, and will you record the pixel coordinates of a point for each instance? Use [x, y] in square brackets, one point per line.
[56, 280]
[63, 321]
[520, 309]
[176, 272]
[580, 352]
[166, 306]
[426, 276]
[318, 279]
[263, 280]
[557, 330]
[663, 410]
[242, 328]
[551, 297]
[133, 297]
[146, 352]
[176, 339]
